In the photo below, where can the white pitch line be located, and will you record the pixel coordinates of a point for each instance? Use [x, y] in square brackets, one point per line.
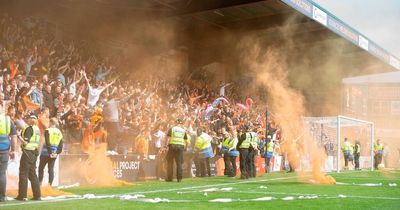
[327, 196]
[366, 197]
[39, 202]
[368, 178]
[277, 193]
[155, 191]
[371, 197]
[216, 185]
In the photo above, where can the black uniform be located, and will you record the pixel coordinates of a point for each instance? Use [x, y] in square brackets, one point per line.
[357, 156]
[243, 157]
[230, 165]
[251, 165]
[27, 169]
[45, 159]
[175, 154]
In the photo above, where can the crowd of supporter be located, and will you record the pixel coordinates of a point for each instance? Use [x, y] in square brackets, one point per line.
[52, 78]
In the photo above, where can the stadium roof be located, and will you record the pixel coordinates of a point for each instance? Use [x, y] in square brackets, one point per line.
[390, 77]
[333, 23]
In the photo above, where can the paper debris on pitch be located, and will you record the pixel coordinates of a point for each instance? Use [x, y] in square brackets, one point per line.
[289, 198]
[264, 199]
[222, 200]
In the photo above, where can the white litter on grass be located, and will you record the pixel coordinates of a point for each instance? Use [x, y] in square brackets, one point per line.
[264, 199]
[105, 196]
[205, 194]
[69, 186]
[222, 200]
[89, 196]
[308, 197]
[9, 199]
[342, 196]
[289, 198]
[263, 187]
[226, 189]
[131, 197]
[92, 196]
[155, 200]
[392, 184]
[50, 198]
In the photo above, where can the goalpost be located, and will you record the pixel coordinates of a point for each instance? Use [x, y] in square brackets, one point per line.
[329, 133]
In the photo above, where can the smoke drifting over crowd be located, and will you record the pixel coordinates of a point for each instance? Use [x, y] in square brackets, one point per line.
[269, 70]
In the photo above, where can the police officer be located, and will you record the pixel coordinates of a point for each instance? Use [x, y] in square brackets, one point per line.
[8, 142]
[27, 167]
[253, 150]
[269, 153]
[346, 152]
[51, 148]
[230, 153]
[378, 150]
[357, 152]
[203, 151]
[225, 146]
[177, 138]
[243, 147]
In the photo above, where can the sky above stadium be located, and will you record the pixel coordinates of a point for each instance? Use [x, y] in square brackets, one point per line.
[378, 20]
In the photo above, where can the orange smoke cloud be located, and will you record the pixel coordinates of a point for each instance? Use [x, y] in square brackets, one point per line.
[269, 70]
[98, 169]
[45, 190]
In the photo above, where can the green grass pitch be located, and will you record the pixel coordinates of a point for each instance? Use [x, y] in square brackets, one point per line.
[285, 190]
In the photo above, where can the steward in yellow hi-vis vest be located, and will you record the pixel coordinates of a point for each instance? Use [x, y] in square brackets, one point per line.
[203, 153]
[27, 168]
[346, 152]
[8, 142]
[243, 147]
[230, 152]
[52, 147]
[253, 150]
[177, 143]
[268, 148]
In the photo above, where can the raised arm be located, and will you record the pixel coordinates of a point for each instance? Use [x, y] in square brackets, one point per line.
[87, 81]
[109, 84]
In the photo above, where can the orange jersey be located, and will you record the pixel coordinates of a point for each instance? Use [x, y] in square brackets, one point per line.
[96, 118]
[13, 69]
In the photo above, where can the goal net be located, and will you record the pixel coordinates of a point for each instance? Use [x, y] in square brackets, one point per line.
[330, 132]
